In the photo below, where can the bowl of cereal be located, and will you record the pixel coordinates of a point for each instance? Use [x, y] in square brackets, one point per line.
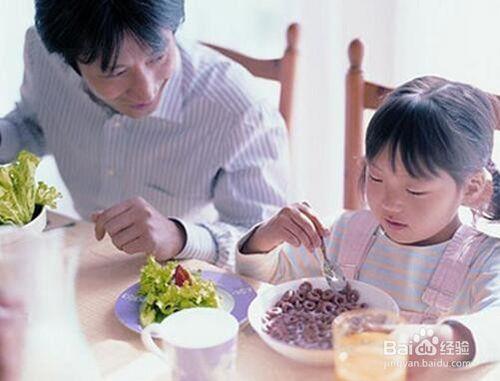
[295, 318]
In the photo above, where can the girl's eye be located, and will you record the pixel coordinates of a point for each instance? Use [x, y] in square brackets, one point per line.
[415, 193]
[375, 179]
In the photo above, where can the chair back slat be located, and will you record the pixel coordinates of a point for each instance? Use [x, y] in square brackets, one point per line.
[374, 95]
[361, 95]
[282, 70]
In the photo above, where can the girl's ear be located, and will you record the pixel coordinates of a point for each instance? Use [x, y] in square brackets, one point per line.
[475, 189]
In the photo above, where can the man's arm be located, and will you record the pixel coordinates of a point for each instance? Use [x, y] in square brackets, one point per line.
[250, 187]
[19, 129]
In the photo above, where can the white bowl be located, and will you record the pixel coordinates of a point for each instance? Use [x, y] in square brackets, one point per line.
[10, 234]
[375, 297]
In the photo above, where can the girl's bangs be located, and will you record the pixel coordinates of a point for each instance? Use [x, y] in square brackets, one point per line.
[412, 133]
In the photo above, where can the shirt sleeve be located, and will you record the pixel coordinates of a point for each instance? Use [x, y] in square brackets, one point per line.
[484, 320]
[19, 129]
[287, 262]
[250, 187]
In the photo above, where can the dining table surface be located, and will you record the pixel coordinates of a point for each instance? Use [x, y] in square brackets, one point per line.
[104, 273]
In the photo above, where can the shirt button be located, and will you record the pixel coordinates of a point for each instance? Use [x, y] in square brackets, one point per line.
[117, 124]
[111, 172]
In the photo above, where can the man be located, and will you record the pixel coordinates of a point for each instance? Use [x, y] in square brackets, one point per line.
[146, 132]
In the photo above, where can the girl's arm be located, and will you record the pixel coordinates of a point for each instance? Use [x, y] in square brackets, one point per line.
[471, 339]
[453, 344]
[286, 261]
[283, 263]
[296, 224]
[283, 247]
[482, 326]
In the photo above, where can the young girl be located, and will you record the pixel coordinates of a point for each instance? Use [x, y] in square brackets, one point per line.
[427, 149]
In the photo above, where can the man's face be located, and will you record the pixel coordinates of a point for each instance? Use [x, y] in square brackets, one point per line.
[135, 84]
[410, 210]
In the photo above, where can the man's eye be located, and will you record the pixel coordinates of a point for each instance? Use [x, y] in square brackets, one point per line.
[375, 179]
[415, 193]
[115, 74]
[158, 58]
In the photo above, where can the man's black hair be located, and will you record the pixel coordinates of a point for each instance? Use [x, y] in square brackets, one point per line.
[85, 30]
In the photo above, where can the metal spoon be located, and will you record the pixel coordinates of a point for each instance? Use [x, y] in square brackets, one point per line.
[332, 271]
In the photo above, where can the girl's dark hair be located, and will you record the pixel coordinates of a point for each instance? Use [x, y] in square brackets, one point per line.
[84, 30]
[435, 124]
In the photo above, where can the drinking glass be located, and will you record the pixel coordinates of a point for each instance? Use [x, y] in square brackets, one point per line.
[366, 346]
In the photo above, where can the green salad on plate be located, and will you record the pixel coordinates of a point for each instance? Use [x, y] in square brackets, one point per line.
[170, 288]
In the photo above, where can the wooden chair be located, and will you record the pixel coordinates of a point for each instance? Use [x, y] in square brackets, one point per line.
[361, 95]
[281, 69]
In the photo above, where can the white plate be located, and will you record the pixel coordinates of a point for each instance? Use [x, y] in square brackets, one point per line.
[369, 294]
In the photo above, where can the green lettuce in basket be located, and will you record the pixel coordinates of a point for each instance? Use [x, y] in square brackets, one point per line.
[171, 288]
[19, 191]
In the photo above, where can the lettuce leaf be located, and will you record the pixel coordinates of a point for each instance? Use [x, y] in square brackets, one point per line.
[162, 297]
[46, 195]
[19, 192]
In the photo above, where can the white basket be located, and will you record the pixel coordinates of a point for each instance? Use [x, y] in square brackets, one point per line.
[10, 234]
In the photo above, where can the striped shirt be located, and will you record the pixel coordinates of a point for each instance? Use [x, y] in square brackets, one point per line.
[403, 271]
[213, 154]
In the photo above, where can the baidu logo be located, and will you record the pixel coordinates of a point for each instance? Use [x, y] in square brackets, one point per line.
[425, 343]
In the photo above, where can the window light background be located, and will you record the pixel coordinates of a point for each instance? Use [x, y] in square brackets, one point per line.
[456, 39]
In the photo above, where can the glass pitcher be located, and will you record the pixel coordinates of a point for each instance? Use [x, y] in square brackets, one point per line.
[39, 271]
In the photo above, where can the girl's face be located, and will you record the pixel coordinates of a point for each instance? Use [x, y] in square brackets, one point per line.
[414, 211]
[135, 85]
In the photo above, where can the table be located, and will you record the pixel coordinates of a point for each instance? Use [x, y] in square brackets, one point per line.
[104, 273]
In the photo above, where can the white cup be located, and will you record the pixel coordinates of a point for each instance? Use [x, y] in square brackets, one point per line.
[199, 344]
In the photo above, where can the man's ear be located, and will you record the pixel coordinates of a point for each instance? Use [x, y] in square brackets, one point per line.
[474, 189]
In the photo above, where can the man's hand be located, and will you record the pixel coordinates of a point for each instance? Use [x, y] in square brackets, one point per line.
[135, 226]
